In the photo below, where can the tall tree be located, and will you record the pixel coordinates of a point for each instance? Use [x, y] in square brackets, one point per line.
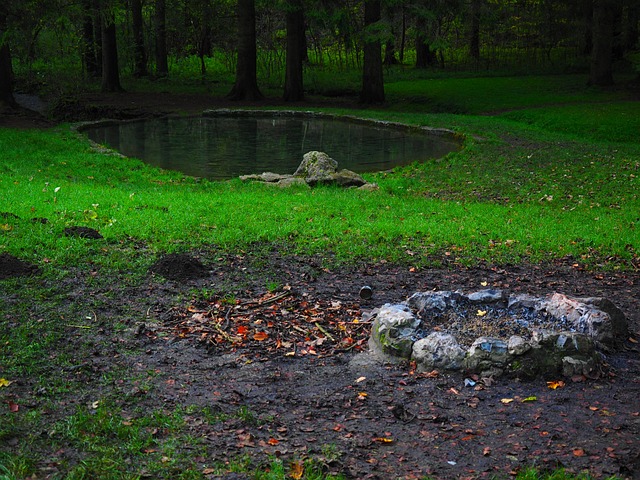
[372, 76]
[6, 70]
[474, 30]
[160, 20]
[296, 46]
[139, 52]
[601, 72]
[91, 38]
[246, 85]
[110, 68]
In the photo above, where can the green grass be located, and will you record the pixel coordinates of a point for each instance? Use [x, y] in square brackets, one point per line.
[552, 174]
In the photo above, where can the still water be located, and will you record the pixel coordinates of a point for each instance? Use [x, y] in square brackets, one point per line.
[224, 147]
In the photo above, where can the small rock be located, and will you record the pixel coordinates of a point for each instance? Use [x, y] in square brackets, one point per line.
[517, 345]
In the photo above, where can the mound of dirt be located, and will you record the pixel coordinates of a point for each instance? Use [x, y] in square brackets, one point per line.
[82, 232]
[179, 266]
[11, 266]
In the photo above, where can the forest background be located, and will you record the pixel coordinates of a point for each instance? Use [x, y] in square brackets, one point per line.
[287, 46]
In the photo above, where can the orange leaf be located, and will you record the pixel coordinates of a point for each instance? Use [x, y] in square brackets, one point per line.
[578, 452]
[297, 469]
[260, 336]
[383, 440]
[273, 441]
[555, 384]
[242, 330]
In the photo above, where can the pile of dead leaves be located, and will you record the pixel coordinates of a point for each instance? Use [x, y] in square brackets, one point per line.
[276, 324]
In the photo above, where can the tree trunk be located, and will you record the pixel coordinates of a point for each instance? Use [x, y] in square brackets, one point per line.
[139, 52]
[602, 52]
[293, 81]
[246, 85]
[403, 36]
[110, 69]
[91, 39]
[372, 78]
[6, 70]
[424, 56]
[160, 20]
[390, 53]
[474, 30]
[630, 35]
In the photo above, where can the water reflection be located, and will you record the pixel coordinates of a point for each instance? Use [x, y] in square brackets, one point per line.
[226, 147]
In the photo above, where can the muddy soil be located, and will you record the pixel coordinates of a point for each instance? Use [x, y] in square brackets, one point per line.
[329, 400]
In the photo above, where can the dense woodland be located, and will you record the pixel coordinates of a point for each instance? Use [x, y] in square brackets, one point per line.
[105, 39]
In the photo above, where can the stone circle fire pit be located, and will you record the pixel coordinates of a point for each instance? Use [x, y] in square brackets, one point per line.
[492, 333]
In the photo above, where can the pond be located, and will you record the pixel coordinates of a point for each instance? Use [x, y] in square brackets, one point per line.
[223, 146]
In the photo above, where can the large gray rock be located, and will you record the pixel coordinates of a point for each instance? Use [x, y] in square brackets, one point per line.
[317, 168]
[394, 330]
[487, 353]
[316, 165]
[598, 318]
[438, 351]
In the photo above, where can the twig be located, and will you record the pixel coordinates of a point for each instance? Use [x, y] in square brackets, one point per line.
[267, 302]
[326, 334]
[79, 326]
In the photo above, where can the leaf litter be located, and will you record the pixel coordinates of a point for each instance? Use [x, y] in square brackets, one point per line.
[275, 324]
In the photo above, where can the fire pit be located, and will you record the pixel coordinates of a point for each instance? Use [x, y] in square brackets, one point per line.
[492, 333]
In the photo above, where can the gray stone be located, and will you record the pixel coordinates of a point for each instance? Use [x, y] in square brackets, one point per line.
[422, 301]
[487, 296]
[523, 301]
[292, 181]
[394, 330]
[487, 352]
[587, 318]
[369, 187]
[317, 165]
[438, 350]
[268, 177]
[517, 345]
[574, 366]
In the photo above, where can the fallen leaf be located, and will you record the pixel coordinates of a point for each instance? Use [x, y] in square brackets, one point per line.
[484, 284]
[532, 398]
[506, 400]
[361, 379]
[273, 441]
[208, 471]
[4, 382]
[296, 471]
[362, 395]
[578, 452]
[633, 340]
[487, 451]
[555, 384]
[13, 407]
[260, 336]
[481, 313]
[242, 330]
[383, 440]
[454, 391]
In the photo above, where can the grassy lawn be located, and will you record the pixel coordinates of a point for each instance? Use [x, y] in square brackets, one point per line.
[552, 173]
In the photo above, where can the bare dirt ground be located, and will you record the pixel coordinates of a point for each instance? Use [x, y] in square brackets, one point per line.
[299, 362]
